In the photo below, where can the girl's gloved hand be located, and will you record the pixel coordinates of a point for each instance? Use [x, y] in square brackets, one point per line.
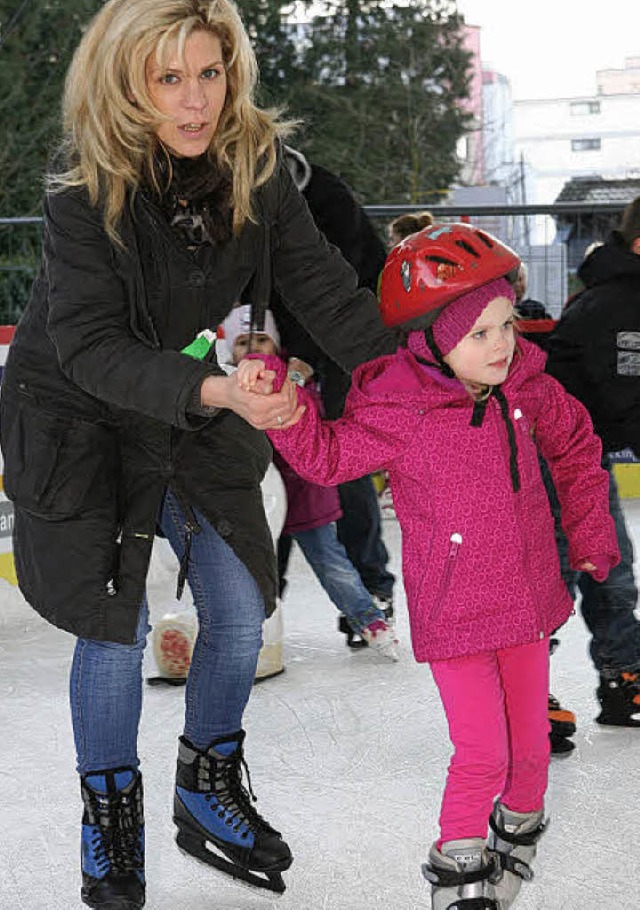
[597, 566]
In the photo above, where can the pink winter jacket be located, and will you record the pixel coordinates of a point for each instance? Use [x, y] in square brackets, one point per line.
[480, 564]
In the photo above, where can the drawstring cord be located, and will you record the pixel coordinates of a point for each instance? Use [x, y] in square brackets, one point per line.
[511, 433]
[480, 407]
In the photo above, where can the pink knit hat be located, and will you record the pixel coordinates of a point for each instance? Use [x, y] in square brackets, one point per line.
[458, 317]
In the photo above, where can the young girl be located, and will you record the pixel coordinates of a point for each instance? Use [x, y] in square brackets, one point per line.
[457, 417]
[313, 509]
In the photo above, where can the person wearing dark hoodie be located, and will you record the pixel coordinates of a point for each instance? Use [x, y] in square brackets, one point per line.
[345, 224]
[595, 353]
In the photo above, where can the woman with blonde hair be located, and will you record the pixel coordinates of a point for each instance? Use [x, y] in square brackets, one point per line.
[168, 201]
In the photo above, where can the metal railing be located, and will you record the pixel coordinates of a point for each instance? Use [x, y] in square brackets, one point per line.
[550, 238]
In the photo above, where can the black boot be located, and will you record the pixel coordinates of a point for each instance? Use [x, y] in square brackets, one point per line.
[354, 639]
[619, 699]
[562, 726]
[212, 809]
[113, 840]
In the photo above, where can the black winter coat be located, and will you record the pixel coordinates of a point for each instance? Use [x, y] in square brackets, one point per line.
[96, 416]
[594, 350]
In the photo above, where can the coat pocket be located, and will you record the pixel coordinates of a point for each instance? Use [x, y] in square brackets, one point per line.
[54, 466]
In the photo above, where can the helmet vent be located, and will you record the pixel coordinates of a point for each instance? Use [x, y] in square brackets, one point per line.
[441, 260]
[469, 249]
[485, 239]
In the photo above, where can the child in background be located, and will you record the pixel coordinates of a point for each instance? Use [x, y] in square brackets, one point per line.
[313, 509]
[457, 417]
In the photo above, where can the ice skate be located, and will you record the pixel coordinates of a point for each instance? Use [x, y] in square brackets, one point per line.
[384, 602]
[216, 819]
[461, 874]
[354, 639]
[513, 840]
[113, 840]
[563, 726]
[380, 636]
[619, 699]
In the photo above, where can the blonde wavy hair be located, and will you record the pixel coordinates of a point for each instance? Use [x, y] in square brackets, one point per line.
[110, 122]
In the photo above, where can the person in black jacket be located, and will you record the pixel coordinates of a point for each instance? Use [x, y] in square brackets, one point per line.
[346, 225]
[595, 352]
[169, 201]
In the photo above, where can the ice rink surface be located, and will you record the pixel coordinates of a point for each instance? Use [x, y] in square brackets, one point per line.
[347, 755]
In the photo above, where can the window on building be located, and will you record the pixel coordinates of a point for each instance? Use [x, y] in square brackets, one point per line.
[580, 108]
[585, 145]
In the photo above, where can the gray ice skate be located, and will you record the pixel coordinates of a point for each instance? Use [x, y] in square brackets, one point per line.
[461, 876]
[513, 839]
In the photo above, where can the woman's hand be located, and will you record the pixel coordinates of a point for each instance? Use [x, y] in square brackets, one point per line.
[277, 410]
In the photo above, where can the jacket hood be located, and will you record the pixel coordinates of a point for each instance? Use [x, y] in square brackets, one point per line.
[411, 373]
[298, 166]
[608, 262]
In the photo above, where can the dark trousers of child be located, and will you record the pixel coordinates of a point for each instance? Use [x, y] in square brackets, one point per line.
[607, 606]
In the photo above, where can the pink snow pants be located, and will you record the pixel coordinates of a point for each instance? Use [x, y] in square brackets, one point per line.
[496, 706]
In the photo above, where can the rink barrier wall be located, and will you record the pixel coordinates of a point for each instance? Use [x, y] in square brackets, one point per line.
[626, 470]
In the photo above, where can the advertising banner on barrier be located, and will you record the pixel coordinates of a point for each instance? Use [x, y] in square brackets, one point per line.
[7, 569]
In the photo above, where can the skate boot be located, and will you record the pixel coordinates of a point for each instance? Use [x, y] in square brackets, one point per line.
[381, 637]
[113, 840]
[563, 726]
[384, 603]
[354, 640]
[216, 819]
[513, 840]
[461, 874]
[619, 699]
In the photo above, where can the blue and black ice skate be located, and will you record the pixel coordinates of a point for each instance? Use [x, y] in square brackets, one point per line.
[216, 819]
[113, 840]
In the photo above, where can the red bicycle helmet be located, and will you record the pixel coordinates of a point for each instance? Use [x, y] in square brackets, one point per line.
[429, 269]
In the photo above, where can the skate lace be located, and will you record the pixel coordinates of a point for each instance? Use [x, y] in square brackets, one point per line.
[232, 800]
[116, 842]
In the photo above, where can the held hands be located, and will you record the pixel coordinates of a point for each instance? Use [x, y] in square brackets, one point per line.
[249, 393]
[598, 567]
[254, 377]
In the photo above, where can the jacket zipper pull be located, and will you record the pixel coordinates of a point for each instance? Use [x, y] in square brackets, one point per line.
[455, 540]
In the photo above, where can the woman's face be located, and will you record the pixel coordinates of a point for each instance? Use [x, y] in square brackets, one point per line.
[191, 91]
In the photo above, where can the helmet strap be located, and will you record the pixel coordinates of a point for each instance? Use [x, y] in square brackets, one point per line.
[435, 350]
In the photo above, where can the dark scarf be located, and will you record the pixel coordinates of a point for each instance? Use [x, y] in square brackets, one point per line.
[195, 198]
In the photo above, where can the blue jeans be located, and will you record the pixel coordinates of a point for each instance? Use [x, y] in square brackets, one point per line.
[360, 533]
[335, 572]
[607, 607]
[106, 678]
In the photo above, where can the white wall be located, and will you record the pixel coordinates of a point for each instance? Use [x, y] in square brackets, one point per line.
[544, 131]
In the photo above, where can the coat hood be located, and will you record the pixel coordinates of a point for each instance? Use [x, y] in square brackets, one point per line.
[611, 261]
[412, 373]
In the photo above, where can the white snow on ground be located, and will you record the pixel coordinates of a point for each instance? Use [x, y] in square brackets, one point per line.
[347, 755]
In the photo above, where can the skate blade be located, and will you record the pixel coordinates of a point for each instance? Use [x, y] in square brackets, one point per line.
[166, 680]
[610, 720]
[269, 881]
